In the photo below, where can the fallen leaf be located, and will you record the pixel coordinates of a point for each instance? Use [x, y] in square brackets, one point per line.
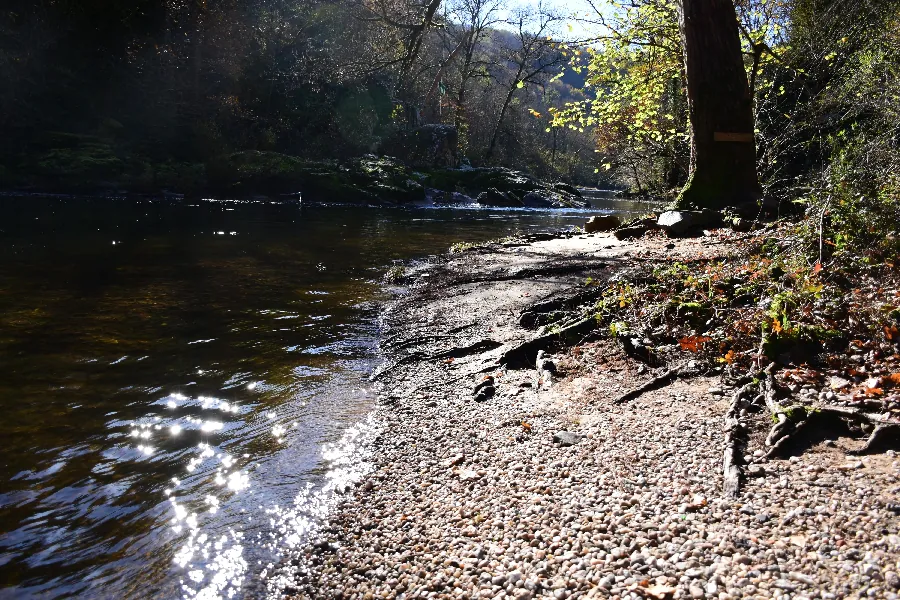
[660, 592]
[693, 343]
[798, 540]
[839, 383]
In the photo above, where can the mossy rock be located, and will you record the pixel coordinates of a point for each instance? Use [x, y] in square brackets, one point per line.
[473, 182]
[368, 180]
[81, 166]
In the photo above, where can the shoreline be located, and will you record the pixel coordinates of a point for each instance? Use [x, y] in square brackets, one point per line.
[536, 484]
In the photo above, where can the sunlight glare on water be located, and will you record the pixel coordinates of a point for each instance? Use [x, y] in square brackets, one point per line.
[183, 407]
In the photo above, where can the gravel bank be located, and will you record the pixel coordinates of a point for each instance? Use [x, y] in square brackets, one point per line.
[476, 499]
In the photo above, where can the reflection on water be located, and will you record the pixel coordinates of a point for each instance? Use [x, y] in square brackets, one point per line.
[184, 386]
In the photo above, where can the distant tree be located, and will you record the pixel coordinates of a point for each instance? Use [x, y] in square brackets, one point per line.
[407, 24]
[475, 20]
[534, 55]
[723, 152]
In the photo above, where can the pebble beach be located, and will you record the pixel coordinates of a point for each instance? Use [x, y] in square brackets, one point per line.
[546, 488]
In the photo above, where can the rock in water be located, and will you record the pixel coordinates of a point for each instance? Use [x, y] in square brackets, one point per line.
[536, 200]
[566, 438]
[601, 223]
[494, 197]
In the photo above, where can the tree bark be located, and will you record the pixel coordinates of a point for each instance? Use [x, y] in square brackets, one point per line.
[723, 150]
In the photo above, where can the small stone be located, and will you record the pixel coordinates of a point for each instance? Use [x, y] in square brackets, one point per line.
[566, 438]
[696, 591]
[755, 471]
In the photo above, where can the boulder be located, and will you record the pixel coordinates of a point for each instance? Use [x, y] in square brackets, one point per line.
[635, 229]
[496, 198]
[681, 222]
[568, 189]
[536, 200]
[602, 223]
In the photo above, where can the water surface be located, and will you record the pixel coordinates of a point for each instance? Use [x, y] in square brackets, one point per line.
[184, 384]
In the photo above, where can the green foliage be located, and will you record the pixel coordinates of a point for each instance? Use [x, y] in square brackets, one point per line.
[637, 106]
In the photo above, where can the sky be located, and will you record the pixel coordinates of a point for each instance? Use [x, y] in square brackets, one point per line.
[571, 29]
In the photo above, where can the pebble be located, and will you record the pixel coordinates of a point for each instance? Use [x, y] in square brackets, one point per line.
[467, 501]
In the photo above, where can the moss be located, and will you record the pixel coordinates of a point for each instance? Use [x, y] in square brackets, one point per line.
[84, 163]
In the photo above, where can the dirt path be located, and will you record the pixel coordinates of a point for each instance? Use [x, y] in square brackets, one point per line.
[547, 488]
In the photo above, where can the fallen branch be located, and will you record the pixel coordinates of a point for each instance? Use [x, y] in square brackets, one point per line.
[655, 383]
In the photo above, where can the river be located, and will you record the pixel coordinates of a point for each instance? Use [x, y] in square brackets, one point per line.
[184, 384]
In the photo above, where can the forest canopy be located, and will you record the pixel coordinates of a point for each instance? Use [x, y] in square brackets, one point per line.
[150, 91]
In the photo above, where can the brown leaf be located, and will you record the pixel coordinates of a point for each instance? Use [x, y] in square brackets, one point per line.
[693, 343]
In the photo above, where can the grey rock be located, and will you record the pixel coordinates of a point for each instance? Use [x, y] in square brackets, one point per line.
[485, 393]
[566, 438]
[892, 580]
[680, 222]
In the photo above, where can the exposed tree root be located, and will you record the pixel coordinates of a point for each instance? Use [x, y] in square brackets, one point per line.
[460, 351]
[735, 437]
[532, 316]
[455, 352]
[525, 353]
[812, 422]
[655, 383]
[884, 435]
[416, 341]
[529, 273]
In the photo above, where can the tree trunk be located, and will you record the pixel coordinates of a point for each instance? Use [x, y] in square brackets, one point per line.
[496, 134]
[723, 151]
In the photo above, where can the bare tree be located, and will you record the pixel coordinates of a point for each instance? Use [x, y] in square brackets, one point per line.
[475, 20]
[410, 21]
[534, 55]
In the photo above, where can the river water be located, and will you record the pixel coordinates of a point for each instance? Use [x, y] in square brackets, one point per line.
[183, 385]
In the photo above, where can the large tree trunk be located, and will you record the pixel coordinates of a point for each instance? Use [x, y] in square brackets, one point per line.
[723, 152]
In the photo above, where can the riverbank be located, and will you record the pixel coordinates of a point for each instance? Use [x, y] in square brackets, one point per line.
[494, 481]
[366, 180]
